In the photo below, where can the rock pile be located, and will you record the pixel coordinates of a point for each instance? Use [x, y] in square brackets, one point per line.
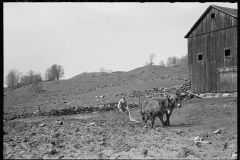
[162, 92]
[186, 85]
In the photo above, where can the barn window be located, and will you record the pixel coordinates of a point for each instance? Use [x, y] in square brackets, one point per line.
[200, 57]
[227, 52]
[213, 15]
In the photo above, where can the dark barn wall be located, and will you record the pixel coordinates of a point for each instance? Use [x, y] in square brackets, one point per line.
[211, 37]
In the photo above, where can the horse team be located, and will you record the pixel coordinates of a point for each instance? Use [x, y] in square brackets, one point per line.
[152, 109]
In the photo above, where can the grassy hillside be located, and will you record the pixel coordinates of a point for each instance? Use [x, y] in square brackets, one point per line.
[82, 91]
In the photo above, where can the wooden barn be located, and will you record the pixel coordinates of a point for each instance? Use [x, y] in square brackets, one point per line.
[212, 51]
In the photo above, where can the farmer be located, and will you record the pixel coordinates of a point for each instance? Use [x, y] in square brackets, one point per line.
[122, 104]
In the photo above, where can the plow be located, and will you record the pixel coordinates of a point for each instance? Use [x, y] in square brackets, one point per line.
[131, 118]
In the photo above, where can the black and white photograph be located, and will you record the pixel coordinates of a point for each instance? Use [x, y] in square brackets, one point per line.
[120, 80]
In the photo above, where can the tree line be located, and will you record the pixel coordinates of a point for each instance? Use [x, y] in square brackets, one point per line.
[15, 79]
[171, 61]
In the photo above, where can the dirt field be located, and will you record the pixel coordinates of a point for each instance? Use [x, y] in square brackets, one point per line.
[112, 135]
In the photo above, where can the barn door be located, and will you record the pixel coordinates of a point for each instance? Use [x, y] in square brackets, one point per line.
[227, 79]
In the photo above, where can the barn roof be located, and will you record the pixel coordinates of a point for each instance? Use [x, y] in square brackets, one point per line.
[230, 11]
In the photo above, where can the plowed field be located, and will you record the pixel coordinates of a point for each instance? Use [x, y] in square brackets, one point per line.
[113, 135]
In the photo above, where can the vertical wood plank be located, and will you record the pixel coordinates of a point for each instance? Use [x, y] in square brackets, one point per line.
[218, 80]
[207, 23]
[194, 50]
[198, 79]
[204, 25]
[224, 22]
[210, 77]
[207, 77]
[192, 80]
[234, 45]
[232, 83]
[222, 49]
[235, 80]
[194, 77]
[218, 49]
[221, 80]
[203, 77]
[202, 64]
[214, 77]
[228, 81]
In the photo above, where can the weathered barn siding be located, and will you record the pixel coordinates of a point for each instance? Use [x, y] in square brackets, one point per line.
[227, 79]
[210, 38]
[207, 25]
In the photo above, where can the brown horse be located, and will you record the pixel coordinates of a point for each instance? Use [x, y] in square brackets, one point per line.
[172, 101]
[152, 109]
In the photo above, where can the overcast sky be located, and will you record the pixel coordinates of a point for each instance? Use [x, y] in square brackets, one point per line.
[88, 36]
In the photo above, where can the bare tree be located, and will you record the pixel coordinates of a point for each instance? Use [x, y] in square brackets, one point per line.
[37, 77]
[103, 71]
[183, 60]
[12, 78]
[24, 80]
[48, 74]
[145, 64]
[172, 61]
[162, 64]
[31, 76]
[109, 71]
[151, 58]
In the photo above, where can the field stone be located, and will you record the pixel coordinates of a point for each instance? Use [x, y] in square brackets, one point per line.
[5, 133]
[183, 153]
[144, 151]
[196, 138]
[59, 122]
[158, 129]
[56, 135]
[42, 125]
[116, 156]
[25, 140]
[218, 95]
[225, 146]
[231, 146]
[234, 156]
[107, 152]
[178, 131]
[217, 131]
[226, 95]
[204, 137]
